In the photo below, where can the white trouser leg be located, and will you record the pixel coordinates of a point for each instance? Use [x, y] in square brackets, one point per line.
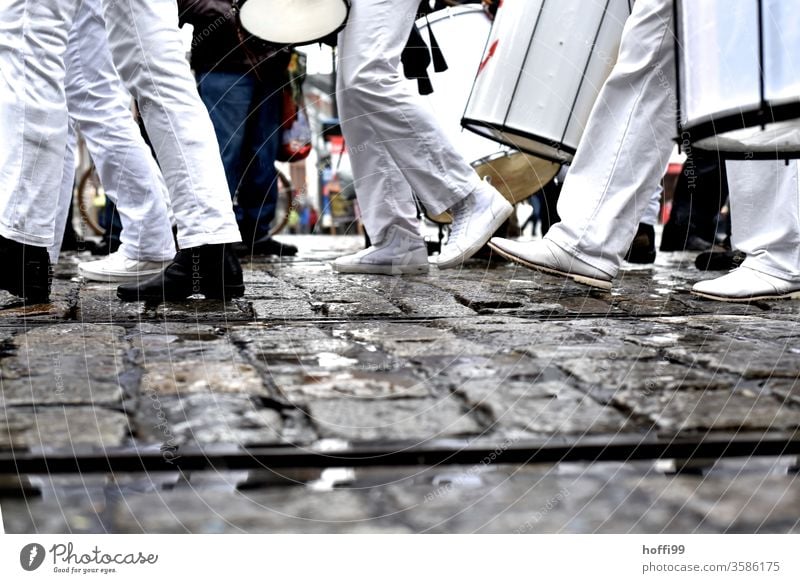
[148, 52]
[99, 106]
[64, 194]
[653, 209]
[626, 145]
[33, 116]
[382, 119]
[765, 215]
[377, 173]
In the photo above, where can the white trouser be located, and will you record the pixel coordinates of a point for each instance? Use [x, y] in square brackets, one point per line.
[765, 215]
[395, 145]
[626, 146]
[33, 116]
[149, 55]
[99, 107]
[653, 210]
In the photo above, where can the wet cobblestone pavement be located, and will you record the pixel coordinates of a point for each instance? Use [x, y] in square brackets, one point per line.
[489, 354]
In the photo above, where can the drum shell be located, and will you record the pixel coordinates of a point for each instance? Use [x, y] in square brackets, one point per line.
[739, 77]
[514, 174]
[544, 65]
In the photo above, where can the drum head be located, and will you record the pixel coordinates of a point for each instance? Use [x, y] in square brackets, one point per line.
[516, 175]
[293, 22]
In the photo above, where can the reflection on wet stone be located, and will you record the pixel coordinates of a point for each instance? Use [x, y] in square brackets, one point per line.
[497, 354]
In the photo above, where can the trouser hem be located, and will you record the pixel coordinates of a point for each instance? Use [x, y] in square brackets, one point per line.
[25, 238]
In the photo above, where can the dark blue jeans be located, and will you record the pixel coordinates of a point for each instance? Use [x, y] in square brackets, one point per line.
[246, 114]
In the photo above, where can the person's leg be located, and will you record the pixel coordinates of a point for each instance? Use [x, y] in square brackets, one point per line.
[100, 106]
[765, 215]
[384, 121]
[258, 191]
[228, 96]
[148, 52]
[621, 158]
[33, 139]
[64, 195]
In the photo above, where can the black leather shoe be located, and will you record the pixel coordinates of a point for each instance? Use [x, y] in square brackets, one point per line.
[643, 248]
[266, 246]
[211, 270]
[719, 260]
[27, 272]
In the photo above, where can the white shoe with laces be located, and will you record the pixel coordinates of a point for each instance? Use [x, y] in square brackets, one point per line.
[401, 252]
[118, 268]
[475, 219]
[744, 285]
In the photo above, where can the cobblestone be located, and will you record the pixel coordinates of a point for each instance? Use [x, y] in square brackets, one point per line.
[309, 357]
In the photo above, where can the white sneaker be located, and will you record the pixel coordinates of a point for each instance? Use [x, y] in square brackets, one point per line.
[744, 285]
[547, 257]
[402, 252]
[475, 219]
[118, 268]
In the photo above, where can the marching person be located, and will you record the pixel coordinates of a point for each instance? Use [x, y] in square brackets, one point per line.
[148, 52]
[619, 163]
[396, 148]
[99, 107]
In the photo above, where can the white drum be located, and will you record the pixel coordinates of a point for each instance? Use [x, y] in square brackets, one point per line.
[462, 32]
[543, 67]
[293, 22]
[739, 77]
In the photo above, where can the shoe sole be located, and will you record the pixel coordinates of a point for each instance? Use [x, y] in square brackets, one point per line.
[119, 278]
[496, 223]
[382, 269]
[795, 295]
[582, 279]
[230, 292]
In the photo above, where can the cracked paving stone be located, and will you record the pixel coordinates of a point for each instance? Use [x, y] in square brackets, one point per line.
[554, 416]
[500, 393]
[64, 364]
[62, 427]
[750, 359]
[274, 309]
[601, 350]
[642, 377]
[715, 410]
[62, 298]
[785, 389]
[98, 302]
[417, 419]
[202, 310]
[416, 297]
[456, 372]
[364, 384]
[413, 340]
[168, 348]
[197, 331]
[207, 419]
[192, 377]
